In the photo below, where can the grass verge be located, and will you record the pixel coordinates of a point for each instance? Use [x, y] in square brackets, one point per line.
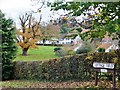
[42, 53]
[68, 84]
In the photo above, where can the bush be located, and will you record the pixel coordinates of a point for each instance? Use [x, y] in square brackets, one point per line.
[60, 52]
[77, 67]
[101, 50]
[85, 48]
[67, 68]
[28, 70]
[56, 49]
[71, 52]
[82, 50]
[8, 46]
[106, 57]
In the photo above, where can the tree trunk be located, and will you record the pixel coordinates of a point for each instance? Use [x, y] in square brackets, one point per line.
[119, 39]
[25, 51]
[44, 41]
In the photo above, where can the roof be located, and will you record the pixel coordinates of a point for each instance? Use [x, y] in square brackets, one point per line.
[104, 45]
[84, 30]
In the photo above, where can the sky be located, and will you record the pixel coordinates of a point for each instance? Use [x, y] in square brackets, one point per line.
[13, 8]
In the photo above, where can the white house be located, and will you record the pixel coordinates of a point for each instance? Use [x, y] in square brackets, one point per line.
[109, 45]
[112, 47]
[57, 41]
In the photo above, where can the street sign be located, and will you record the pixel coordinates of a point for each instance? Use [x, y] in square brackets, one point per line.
[103, 65]
[103, 70]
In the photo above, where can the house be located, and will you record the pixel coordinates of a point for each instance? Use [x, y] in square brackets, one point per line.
[108, 44]
[60, 41]
[104, 45]
[112, 47]
[77, 43]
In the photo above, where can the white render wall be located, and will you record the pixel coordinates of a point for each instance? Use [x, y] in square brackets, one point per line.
[62, 41]
[112, 47]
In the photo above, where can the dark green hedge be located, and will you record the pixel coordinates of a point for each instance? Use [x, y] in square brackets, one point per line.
[105, 57]
[77, 67]
[67, 68]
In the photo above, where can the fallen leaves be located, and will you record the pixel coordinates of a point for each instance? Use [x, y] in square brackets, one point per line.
[68, 84]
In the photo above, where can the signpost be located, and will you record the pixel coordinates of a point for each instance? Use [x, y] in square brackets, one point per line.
[105, 67]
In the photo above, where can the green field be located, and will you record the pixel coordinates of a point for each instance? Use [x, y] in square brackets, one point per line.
[42, 53]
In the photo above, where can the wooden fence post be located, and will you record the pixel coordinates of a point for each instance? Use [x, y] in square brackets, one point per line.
[114, 77]
[96, 78]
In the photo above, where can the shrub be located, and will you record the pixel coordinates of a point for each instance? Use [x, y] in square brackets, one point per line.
[82, 50]
[56, 49]
[85, 48]
[68, 49]
[60, 52]
[8, 46]
[28, 70]
[76, 67]
[67, 68]
[71, 52]
[101, 50]
[106, 57]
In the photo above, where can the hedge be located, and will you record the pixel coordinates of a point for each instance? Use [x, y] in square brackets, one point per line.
[76, 67]
[66, 68]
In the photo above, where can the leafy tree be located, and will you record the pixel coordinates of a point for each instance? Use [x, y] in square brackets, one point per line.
[85, 48]
[64, 29]
[29, 33]
[100, 17]
[8, 46]
[50, 31]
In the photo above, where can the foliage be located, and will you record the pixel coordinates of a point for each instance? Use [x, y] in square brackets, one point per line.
[101, 50]
[100, 17]
[54, 70]
[82, 50]
[29, 33]
[105, 57]
[8, 46]
[70, 52]
[66, 50]
[50, 31]
[56, 49]
[60, 52]
[77, 67]
[85, 48]
[64, 29]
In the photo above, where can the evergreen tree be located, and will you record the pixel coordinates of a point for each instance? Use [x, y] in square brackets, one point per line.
[8, 46]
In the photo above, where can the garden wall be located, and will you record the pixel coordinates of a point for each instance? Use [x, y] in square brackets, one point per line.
[77, 67]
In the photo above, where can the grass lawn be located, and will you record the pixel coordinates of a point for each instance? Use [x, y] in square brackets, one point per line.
[42, 53]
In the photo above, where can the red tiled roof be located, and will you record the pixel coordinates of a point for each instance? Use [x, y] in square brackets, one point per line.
[104, 45]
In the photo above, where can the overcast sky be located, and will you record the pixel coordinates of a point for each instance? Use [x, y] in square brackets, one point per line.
[14, 8]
